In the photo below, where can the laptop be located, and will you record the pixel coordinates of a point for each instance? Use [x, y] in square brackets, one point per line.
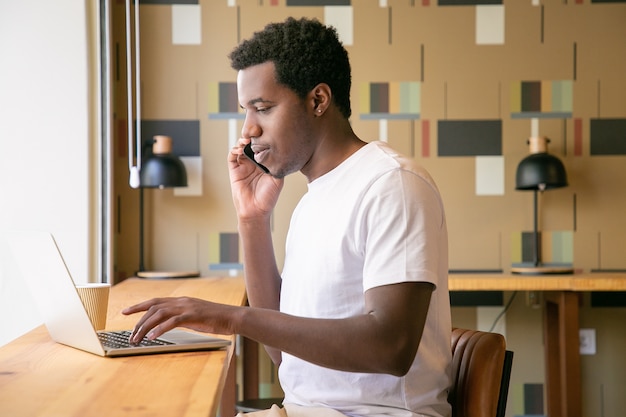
[41, 264]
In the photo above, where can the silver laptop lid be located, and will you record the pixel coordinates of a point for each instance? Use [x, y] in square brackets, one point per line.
[38, 259]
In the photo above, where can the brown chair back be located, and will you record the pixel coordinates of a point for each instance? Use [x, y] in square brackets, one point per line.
[480, 373]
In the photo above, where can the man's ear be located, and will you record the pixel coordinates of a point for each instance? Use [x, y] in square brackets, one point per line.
[320, 98]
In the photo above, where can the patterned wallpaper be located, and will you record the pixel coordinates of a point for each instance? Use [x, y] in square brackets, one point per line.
[445, 81]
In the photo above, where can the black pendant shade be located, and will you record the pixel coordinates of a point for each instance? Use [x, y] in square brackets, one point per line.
[540, 171]
[163, 171]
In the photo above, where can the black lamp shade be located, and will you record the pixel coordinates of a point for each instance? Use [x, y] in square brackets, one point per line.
[163, 171]
[540, 171]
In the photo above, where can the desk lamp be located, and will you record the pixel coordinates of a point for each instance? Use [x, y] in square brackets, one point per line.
[161, 169]
[538, 172]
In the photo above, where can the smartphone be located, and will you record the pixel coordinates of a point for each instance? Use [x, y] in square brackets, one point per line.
[250, 154]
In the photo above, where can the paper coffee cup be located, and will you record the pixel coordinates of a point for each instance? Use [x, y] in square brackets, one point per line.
[95, 298]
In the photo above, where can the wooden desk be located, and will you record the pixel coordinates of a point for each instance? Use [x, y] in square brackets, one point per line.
[39, 377]
[505, 282]
[561, 325]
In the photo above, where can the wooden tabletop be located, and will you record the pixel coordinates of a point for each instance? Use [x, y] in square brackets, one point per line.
[39, 377]
[597, 281]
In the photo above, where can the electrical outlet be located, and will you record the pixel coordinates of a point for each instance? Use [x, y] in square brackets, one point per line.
[533, 299]
[587, 341]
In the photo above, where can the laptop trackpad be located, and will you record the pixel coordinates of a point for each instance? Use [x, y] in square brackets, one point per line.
[184, 337]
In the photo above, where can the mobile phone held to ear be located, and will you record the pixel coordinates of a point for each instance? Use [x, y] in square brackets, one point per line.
[250, 154]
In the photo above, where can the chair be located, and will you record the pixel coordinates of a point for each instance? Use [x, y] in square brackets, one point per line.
[481, 370]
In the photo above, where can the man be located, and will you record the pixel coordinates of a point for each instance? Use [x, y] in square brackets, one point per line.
[364, 283]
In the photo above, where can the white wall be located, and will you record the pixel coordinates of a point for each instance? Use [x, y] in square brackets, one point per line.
[46, 143]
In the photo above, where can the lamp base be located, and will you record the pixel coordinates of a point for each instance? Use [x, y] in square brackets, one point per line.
[542, 270]
[167, 274]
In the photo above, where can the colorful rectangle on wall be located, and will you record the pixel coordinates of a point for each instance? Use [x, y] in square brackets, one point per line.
[186, 24]
[542, 99]
[224, 251]
[390, 100]
[193, 166]
[490, 25]
[528, 246]
[185, 134]
[169, 1]
[533, 399]
[469, 137]
[578, 136]
[425, 138]
[526, 399]
[223, 101]
[555, 247]
[318, 2]
[489, 175]
[607, 137]
[467, 2]
[342, 19]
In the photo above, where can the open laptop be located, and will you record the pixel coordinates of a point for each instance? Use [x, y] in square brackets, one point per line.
[42, 266]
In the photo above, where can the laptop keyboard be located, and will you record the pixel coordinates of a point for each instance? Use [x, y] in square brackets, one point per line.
[120, 339]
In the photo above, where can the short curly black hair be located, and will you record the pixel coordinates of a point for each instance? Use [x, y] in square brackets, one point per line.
[305, 53]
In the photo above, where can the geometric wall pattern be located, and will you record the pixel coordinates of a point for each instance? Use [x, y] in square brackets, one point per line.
[467, 2]
[533, 400]
[607, 136]
[469, 137]
[185, 134]
[390, 100]
[318, 2]
[528, 97]
[224, 251]
[168, 1]
[223, 103]
[555, 247]
[541, 99]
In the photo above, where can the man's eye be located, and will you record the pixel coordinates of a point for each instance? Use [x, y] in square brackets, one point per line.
[262, 109]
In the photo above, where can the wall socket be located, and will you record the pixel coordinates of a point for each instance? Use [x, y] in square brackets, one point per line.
[587, 341]
[533, 299]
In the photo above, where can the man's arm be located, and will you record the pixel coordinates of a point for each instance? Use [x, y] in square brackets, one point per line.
[261, 273]
[254, 196]
[384, 339]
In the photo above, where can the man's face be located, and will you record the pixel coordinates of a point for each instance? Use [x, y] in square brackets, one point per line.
[277, 121]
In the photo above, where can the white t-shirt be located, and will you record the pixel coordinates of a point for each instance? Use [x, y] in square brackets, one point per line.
[374, 220]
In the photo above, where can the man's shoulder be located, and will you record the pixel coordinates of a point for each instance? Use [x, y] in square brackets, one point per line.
[381, 158]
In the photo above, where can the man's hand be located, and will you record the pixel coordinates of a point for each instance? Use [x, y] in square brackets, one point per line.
[254, 193]
[164, 314]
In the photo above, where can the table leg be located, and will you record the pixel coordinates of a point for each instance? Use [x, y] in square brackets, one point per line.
[562, 355]
[229, 395]
[250, 355]
[250, 369]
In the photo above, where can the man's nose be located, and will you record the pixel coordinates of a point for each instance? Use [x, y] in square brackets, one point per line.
[250, 128]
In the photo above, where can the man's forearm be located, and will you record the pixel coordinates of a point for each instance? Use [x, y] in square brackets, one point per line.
[260, 270]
